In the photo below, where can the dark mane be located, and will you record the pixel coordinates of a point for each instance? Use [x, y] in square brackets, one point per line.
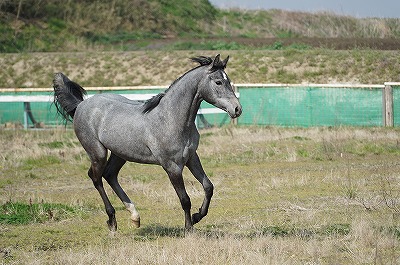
[202, 60]
[150, 104]
[217, 64]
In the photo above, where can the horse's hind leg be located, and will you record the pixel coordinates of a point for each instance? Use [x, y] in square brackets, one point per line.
[113, 167]
[99, 158]
[196, 168]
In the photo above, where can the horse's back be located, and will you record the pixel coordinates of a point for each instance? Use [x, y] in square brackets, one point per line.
[114, 121]
[105, 103]
[119, 98]
[114, 99]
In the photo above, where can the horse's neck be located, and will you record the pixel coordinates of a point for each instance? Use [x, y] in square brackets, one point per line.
[183, 100]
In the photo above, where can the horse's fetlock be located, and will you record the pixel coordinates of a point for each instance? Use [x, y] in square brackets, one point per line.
[110, 211]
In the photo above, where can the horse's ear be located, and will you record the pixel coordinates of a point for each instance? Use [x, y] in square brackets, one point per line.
[217, 61]
[224, 62]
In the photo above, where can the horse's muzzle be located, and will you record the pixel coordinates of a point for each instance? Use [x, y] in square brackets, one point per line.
[235, 110]
[237, 113]
[231, 105]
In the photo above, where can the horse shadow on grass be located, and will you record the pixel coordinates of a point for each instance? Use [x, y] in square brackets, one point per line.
[154, 231]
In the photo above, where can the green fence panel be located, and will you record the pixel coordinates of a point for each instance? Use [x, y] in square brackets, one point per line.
[281, 105]
[346, 106]
[311, 106]
[396, 105]
[14, 111]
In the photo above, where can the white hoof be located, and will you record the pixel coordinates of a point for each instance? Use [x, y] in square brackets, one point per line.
[136, 222]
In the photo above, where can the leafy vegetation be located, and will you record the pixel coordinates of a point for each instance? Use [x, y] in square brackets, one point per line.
[49, 26]
[17, 213]
[28, 25]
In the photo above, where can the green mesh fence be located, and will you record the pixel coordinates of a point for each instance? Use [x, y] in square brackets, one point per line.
[284, 106]
[311, 106]
[396, 105]
[14, 111]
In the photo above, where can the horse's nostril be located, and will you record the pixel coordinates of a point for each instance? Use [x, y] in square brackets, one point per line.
[238, 111]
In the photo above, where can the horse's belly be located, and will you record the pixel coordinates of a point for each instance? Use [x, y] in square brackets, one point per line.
[130, 150]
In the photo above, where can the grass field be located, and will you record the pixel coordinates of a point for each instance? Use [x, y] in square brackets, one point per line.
[282, 196]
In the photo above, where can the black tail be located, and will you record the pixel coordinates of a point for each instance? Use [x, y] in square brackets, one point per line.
[67, 95]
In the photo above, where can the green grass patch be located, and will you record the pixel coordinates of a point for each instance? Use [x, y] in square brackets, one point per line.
[56, 144]
[275, 231]
[340, 229]
[362, 148]
[42, 161]
[336, 229]
[395, 231]
[300, 138]
[17, 213]
[206, 45]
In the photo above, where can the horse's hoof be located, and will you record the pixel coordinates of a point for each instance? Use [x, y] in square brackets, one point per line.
[112, 226]
[136, 223]
[196, 217]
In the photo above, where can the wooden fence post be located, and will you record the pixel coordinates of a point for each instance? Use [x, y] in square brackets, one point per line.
[387, 98]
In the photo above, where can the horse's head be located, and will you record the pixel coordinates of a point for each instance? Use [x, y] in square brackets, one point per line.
[216, 88]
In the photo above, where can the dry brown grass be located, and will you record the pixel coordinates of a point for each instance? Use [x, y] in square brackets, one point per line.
[282, 196]
[102, 69]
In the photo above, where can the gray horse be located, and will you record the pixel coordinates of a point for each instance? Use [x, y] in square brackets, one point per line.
[159, 131]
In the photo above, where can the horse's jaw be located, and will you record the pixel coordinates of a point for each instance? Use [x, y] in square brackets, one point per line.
[231, 106]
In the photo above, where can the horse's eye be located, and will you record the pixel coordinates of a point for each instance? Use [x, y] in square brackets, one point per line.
[218, 83]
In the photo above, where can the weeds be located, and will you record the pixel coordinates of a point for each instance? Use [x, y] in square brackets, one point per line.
[42, 161]
[22, 214]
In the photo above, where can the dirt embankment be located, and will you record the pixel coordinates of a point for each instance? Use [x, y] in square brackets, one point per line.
[328, 43]
[155, 67]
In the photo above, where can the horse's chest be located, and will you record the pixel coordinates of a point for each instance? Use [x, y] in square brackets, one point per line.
[174, 146]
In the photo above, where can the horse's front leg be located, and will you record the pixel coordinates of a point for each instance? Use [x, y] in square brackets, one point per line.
[175, 176]
[196, 168]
